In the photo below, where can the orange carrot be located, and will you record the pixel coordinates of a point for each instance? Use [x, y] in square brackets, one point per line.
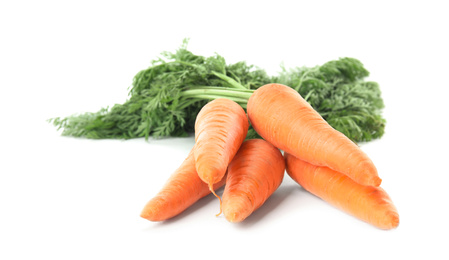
[282, 117]
[254, 174]
[220, 129]
[368, 203]
[182, 189]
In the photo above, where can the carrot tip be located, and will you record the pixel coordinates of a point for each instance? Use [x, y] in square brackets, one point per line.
[376, 181]
[394, 220]
[234, 218]
[211, 188]
[148, 216]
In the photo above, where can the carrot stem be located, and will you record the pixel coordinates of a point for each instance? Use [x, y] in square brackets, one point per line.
[242, 95]
[232, 82]
[212, 97]
[196, 94]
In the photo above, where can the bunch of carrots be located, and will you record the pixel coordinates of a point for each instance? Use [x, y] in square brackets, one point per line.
[319, 158]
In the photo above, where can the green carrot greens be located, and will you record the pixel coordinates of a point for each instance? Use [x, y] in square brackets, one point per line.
[165, 98]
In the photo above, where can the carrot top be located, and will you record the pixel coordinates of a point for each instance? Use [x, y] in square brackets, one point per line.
[165, 98]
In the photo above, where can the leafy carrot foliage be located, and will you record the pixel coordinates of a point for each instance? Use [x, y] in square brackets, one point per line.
[165, 98]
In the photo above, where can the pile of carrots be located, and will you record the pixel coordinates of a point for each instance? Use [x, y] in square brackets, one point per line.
[319, 158]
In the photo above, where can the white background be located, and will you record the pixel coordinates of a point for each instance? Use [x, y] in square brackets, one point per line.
[68, 198]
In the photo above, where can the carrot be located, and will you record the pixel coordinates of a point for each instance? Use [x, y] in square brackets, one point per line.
[182, 189]
[220, 129]
[368, 203]
[282, 117]
[253, 175]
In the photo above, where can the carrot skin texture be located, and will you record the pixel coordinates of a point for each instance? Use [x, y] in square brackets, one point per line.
[254, 174]
[282, 117]
[181, 190]
[368, 203]
[220, 129]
